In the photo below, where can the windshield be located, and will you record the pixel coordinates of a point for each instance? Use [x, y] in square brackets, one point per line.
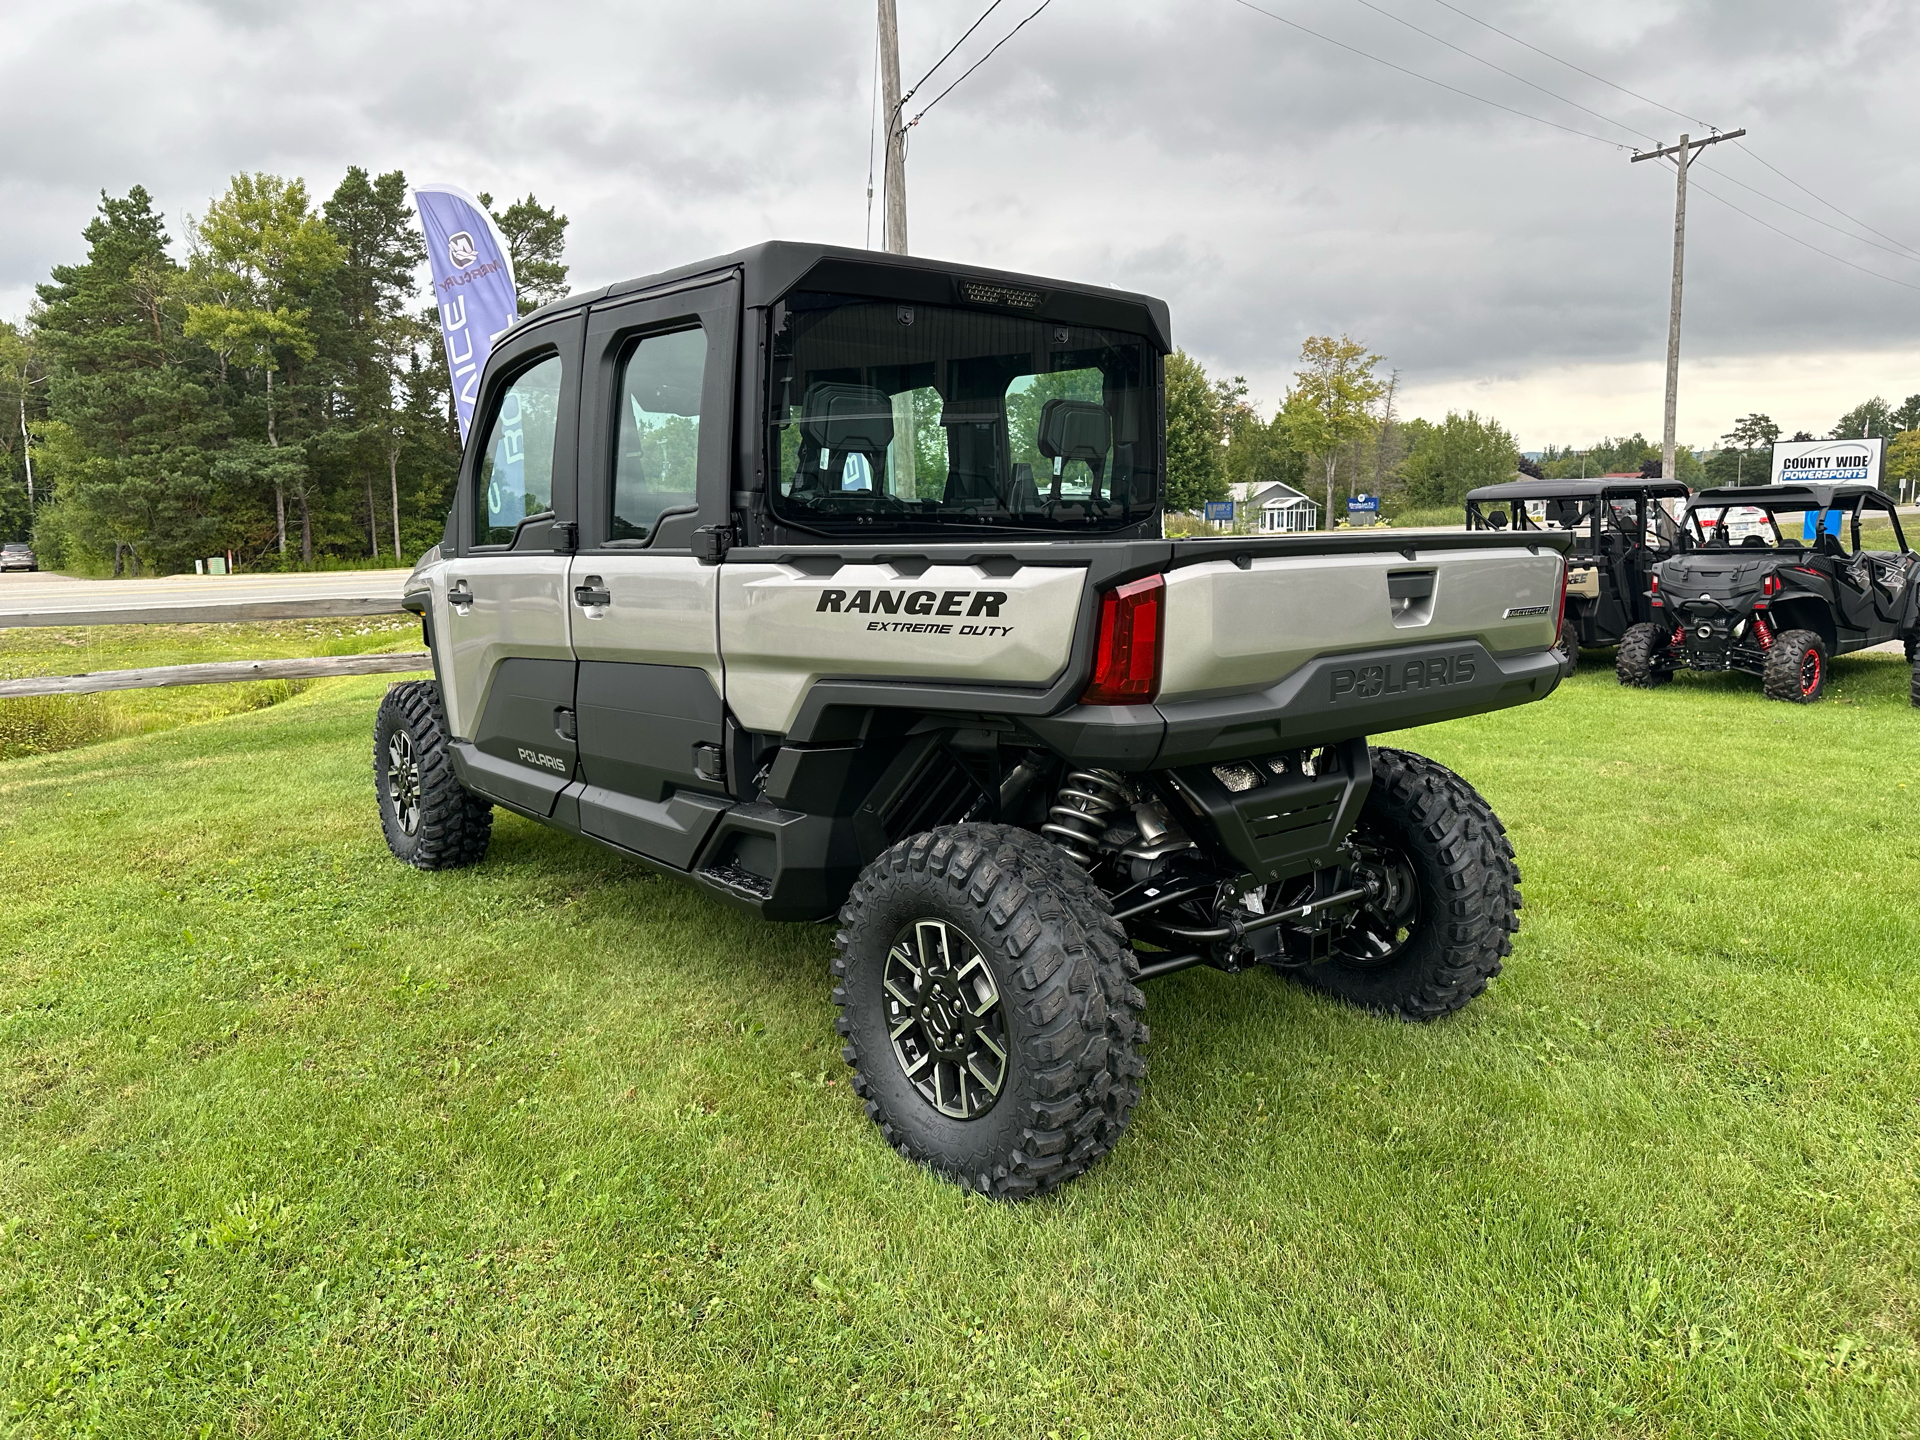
[898, 418]
[1795, 525]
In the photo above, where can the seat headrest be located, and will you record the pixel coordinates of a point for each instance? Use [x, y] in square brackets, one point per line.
[841, 417]
[1075, 430]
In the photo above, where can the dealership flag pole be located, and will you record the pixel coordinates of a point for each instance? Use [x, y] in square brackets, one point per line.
[1681, 154]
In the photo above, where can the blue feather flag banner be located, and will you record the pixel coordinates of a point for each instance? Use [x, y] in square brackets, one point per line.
[472, 286]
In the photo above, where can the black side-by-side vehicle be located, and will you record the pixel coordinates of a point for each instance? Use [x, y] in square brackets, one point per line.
[1620, 531]
[1776, 580]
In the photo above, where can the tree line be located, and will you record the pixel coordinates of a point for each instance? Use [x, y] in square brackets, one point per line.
[1337, 432]
[276, 392]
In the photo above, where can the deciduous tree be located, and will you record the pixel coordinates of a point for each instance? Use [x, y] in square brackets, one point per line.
[1331, 402]
[1196, 427]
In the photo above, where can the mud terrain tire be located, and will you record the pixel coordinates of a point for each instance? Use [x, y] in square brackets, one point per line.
[1068, 1008]
[1641, 659]
[1796, 667]
[430, 821]
[1467, 887]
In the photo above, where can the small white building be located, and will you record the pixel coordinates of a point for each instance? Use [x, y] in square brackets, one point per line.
[1280, 509]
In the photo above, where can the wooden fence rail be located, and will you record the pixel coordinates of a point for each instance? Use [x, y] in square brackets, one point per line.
[222, 672]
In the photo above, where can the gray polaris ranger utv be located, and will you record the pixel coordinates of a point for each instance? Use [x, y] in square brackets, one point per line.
[833, 583]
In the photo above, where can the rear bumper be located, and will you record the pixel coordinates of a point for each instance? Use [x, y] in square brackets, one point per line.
[1335, 697]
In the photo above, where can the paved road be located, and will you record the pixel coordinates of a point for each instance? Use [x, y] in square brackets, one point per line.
[47, 599]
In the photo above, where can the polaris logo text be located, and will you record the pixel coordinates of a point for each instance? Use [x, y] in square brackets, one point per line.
[1368, 682]
[551, 762]
[912, 602]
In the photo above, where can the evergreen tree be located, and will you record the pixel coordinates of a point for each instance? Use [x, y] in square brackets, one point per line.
[131, 395]
[374, 336]
[536, 238]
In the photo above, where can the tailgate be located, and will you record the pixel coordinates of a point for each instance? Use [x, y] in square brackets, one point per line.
[1237, 626]
[1279, 650]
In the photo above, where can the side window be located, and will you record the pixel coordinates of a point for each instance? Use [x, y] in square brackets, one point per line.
[657, 459]
[515, 479]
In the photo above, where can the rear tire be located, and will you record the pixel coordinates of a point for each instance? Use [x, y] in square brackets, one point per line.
[987, 1004]
[1569, 647]
[1796, 667]
[1463, 903]
[1913, 691]
[1913, 649]
[1641, 660]
[430, 820]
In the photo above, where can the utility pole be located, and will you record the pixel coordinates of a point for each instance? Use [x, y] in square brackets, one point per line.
[894, 224]
[1681, 154]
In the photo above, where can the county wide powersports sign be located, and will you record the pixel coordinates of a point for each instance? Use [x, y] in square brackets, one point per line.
[1827, 462]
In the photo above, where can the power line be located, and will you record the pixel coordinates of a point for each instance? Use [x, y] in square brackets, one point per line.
[976, 64]
[915, 89]
[1806, 215]
[1828, 203]
[1482, 60]
[1643, 99]
[1798, 241]
[1441, 84]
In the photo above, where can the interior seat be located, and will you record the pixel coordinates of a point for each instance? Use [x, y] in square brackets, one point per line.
[838, 420]
[1075, 430]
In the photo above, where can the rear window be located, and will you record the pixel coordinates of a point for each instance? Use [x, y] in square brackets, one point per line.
[894, 418]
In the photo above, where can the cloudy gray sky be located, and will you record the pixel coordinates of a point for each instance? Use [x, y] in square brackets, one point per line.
[1267, 183]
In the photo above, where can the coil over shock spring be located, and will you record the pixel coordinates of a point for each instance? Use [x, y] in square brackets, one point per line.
[1077, 819]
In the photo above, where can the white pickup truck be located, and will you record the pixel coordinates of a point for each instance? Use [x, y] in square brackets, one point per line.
[834, 582]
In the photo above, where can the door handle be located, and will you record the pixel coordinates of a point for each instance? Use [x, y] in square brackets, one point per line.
[593, 597]
[460, 597]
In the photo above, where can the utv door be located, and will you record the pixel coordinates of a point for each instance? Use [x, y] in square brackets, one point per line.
[509, 690]
[655, 467]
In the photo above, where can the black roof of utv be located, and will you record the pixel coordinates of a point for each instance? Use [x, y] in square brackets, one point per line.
[775, 268]
[1788, 496]
[1587, 489]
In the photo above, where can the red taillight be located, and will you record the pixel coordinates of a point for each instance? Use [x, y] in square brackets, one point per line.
[1770, 585]
[1126, 651]
[1654, 592]
[1560, 623]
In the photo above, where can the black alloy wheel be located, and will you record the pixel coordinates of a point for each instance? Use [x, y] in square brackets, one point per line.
[945, 1019]
[1446, 896]
[403, 782]
[1386, 921]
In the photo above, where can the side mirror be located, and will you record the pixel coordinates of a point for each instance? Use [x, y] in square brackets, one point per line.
[1498, 520]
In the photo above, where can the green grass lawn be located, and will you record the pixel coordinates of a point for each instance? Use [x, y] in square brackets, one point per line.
[305, 1143]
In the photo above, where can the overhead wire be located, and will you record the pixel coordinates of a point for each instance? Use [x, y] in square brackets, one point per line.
[1645, 100]
[1692, 165]
[1440, 84]
[915, 89]
[1796, 239]
[978, 63]
[1751, 153]
[1482, 60]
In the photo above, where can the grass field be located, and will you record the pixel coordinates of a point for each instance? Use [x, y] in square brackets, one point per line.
[305, 1143]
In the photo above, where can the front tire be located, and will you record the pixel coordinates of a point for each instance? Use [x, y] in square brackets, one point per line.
[1796, 667]
[1441, 926]
[1641, 660]
[987, 1005]
[430, 820]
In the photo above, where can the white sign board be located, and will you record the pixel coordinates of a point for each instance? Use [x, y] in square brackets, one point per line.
[1827, 462]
